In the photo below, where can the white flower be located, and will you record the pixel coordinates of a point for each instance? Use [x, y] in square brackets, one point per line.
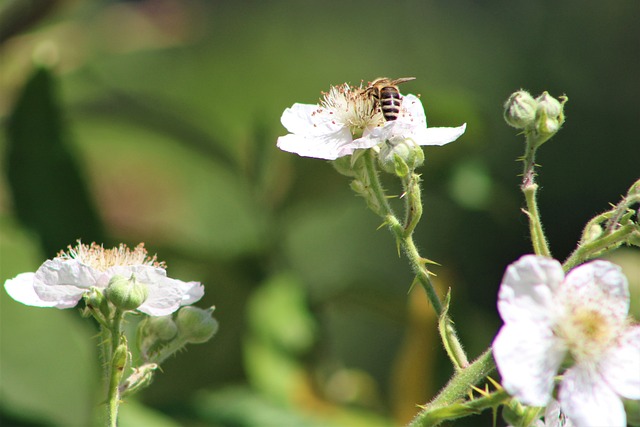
[347, 119]
[550, 318]
[61, 282]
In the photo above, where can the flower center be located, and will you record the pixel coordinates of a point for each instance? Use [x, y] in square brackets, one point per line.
[352, 107]
[101, 259]
[587, 332]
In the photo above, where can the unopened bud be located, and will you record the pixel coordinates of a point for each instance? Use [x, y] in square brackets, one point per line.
[400, 156]
[520, 110]
[126, 294]
[196, 325]
[549, 116]
[161, 327]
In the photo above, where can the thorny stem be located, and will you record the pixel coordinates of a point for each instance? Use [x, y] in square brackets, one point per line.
[529, 189]
[598, 247]
[403, 233]
[450, 404]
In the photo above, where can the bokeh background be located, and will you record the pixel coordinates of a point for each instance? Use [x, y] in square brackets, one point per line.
[155, 121]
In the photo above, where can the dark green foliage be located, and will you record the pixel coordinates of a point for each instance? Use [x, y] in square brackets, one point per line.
[49, 190]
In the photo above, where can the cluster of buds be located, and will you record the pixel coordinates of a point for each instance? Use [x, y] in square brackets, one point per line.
[160, 337]
[541, 117]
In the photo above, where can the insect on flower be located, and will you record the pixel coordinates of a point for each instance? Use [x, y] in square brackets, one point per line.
[386, 95]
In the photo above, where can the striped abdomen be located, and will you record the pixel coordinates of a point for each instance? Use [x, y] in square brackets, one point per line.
[390, 101]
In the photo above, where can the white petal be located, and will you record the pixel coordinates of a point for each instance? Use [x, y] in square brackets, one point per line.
[309, 120]
[164, 297]
[589, 401]
[526, 291]
[191, 292]
[328, 147]
[412, 112]
[621, 366]
[438, 136]
[528, 358]
[63, 281]
[20, 288]
[599, 284]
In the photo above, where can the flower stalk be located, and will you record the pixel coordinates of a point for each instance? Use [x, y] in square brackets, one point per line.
[403, 232]
[530, 190]
[447, 404]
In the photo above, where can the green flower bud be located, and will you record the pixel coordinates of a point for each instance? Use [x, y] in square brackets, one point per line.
[400, 156]
[162, 327]
[196, 325]
[592, 233]
[126, 294]
[520, 110]
[120, 356]
[343, 166]
[549, 115]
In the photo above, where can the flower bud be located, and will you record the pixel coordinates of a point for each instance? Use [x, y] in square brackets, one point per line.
[162, 328]
[400, 156]
[591, 233]
[520, 110]
[96, 304]
[549, 115]
[196, 325]
[126, 294]
[119, 360]
[344, 166]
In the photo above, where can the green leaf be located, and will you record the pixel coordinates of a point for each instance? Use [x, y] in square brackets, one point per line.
[50, 192]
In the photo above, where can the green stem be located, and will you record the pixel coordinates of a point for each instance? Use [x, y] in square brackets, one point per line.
[422, 274]
[530, 189]
[450, 404]
[599, 246]
[117, 359]
[404, 238]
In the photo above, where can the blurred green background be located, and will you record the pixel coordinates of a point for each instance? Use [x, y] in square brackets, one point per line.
[156, 121]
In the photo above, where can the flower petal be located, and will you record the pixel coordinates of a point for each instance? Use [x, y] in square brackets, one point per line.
[526, 291]
[528, 357]
[621, 366]
[438, 136]
[328, 147]
[20, 288]
[588, 400]
[309, 120]
[598, 284]
[164, 297]
[191, 292]
[63, 281]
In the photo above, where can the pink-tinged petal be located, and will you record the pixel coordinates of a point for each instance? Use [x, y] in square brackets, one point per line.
[528, 357]
[620, 367]
[20, 288]
[598, 284]
[192, 292]
[311, 120]
[588, 400]
[526, 291]
[438, 136]
[327, 147]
